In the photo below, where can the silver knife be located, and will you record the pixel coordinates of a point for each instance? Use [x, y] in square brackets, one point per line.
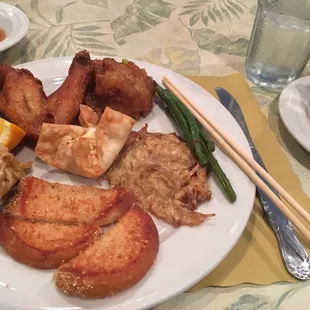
[293, 253]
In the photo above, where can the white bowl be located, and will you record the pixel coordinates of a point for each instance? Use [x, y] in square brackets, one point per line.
[14, 22]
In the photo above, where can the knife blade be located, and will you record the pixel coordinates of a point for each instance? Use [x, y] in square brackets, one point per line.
[293, 253]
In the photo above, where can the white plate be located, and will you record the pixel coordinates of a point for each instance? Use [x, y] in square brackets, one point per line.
[15, 24]
[294, 107]
[186, 254]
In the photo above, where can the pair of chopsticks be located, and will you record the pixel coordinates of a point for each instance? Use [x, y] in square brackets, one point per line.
[245, 162]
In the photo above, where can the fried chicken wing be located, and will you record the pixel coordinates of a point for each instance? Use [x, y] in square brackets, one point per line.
[91, 100]
[123, 87]
[21, 96]
[23, 101]
[64, 104]
[163, 175]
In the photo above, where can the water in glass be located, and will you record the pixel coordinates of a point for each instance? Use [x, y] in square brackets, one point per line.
[279, 48]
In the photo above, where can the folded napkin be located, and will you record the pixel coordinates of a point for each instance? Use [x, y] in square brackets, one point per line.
[256, 257]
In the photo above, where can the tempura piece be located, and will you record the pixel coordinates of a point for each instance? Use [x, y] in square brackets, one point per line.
[11, 170]
[82, 151]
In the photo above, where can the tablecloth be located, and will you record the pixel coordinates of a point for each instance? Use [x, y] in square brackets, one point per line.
[203, 37]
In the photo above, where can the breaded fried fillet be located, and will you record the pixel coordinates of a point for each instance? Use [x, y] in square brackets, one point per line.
[118, 260]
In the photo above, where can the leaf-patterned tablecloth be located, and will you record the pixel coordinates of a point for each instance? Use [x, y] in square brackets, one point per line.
[206, 37]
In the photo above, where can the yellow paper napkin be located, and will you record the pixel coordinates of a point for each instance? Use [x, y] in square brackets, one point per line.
[256, 257]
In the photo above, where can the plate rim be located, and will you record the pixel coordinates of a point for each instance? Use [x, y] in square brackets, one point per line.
[19, 35]
[283, 107]
[176, 292]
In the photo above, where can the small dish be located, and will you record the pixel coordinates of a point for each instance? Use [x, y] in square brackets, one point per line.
[15, 24]
[294, 107]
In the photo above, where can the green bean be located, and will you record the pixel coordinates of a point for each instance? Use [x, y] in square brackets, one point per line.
[194, 129]
[190, 129]
[169, 113]
[221, 176]
[177, 115]
[209, 144]
[171, 101]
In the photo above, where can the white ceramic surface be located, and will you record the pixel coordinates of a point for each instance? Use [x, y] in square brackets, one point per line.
[15, 24]
[294, 108]
[186, 254]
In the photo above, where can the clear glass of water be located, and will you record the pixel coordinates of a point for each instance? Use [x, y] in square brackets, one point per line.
[279, 47]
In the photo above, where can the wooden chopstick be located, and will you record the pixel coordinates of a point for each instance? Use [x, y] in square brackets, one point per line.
[245, 162]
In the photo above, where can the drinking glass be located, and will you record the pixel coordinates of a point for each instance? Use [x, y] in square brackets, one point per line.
[279, 47]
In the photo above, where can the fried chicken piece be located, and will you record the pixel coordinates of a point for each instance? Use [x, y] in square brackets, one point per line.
[63, 105]
[123, 87]
[90, 98]
[164, 176]
[21, 96]
[24, 103]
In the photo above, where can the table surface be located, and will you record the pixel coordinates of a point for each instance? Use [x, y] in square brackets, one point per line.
[202, 37]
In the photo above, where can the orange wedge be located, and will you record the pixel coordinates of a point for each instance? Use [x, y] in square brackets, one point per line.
[10, 134]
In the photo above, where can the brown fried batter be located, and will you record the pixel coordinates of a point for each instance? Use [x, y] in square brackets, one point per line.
[23, 101]
[98, 83]
[164, 176]
[121, 86]
[21, 96]
[63, 105]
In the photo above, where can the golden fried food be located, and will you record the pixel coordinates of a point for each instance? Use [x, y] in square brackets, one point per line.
[123, 87]
[46, 224]
[88, 151]
[38, 200]
[21, 96]
[50, 225]
[88, 117]
[164, 176]
[24, 103]
[63, 105]
[44, 245]
[11, 170]
[115, 262]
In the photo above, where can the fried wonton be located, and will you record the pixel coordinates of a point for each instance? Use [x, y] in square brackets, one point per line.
[84, 151]
[88, 117]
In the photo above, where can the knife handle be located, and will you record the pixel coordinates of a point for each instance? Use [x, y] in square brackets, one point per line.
[293, 253]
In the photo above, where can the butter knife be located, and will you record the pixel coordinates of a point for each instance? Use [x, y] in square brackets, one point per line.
[294, 255]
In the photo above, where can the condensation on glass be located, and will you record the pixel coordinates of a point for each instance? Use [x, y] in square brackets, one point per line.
[279, 47]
